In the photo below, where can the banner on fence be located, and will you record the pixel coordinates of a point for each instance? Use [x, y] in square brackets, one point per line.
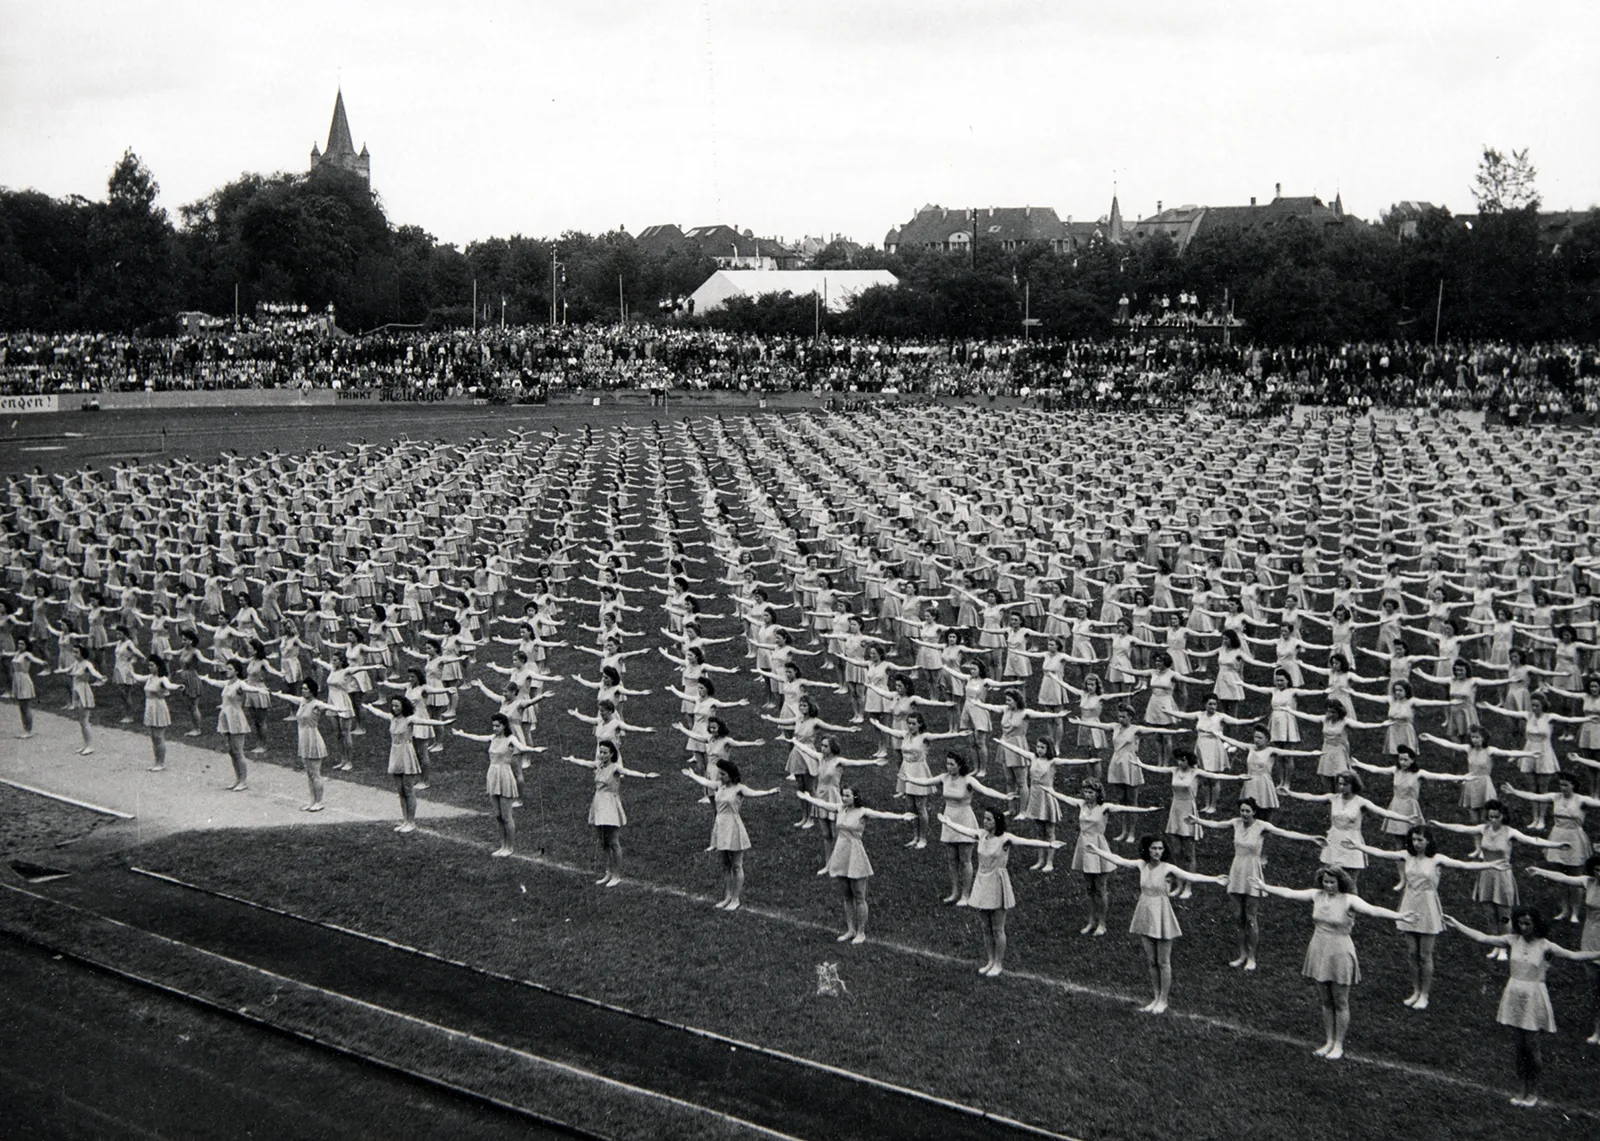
[14, 404]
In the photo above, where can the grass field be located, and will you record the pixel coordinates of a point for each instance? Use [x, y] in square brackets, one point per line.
[30, 823]
[1057, 1042]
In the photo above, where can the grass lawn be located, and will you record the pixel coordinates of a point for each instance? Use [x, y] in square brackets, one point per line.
[1057, 1042]
[33, 823]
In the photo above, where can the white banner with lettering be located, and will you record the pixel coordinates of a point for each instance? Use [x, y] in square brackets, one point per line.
[13, 404]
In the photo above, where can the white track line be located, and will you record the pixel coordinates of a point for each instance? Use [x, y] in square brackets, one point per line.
[930, 956]
[1065, 985]
[738, 1043]
[100, 808]
[451, 1032]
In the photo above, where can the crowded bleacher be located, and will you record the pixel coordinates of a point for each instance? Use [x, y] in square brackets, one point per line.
[1546, 380]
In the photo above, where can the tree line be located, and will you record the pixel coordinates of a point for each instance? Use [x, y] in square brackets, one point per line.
[124, 265]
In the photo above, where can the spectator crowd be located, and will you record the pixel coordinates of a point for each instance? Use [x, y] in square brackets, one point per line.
[1158, 369]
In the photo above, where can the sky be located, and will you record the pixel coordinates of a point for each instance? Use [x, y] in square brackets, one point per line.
[828, 117]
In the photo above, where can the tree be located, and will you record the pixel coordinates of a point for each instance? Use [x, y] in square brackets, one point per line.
[1505, 183]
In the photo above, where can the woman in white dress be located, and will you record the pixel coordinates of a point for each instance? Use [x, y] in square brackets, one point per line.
[606, 814]
[1525, 1002]
[848, 864]
[729, 839]
[992, 895]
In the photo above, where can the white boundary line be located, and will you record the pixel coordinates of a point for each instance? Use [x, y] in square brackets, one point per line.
[711, 1035]
[72, 800]
[450, 1032]
[1065, 985]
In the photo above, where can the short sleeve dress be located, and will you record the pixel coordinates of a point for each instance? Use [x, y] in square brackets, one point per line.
[913, 763]
[848, 860]
[1331, 957]
[957, 792]
[402, 751]
[1091, 836]
[1258, 778]
[1153, 916]
[230, 715]
[156, 713]
[307, 721]
[1421, 894]
[991, 885]
[501, 779]
[1184, 784]
[1344, 823]
[605, 810]
[1566, 828]
[727, 829]
[1525, 1003]
[1041, 779]
[1122, 768]
[1248, 840]
[1495, 885]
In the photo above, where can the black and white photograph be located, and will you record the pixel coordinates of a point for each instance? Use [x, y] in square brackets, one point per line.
[846, 570]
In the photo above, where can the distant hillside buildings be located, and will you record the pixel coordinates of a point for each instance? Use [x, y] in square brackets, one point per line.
[1008, 228]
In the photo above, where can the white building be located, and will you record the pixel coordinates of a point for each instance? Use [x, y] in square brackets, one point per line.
[836, 287]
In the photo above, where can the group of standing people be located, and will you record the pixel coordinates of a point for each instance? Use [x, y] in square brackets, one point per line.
[1082, 595]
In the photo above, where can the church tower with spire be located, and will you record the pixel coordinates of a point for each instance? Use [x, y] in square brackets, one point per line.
[340, 153]
[1115, 233]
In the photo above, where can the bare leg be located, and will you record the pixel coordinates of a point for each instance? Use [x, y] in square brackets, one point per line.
[953, 858]
[158, 747]
[241, 767]
[997, 921]
[859, 887]
[315, 783]
[1153, 968]
[738, 880]
[1340, 993]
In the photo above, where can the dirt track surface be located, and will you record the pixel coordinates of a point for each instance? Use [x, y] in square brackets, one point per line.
[763, 1089]
[86, 1055]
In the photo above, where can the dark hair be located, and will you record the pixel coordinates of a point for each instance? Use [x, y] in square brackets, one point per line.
[1541, 928]
[158, 665]
[1251, 801]
[730, 770]
[1427, 839]
[309, 684]
[406, 708]
[610, 746]
[1145, 844]
[500, 719]
[1346, 884]
[999, 820]
[963, 765]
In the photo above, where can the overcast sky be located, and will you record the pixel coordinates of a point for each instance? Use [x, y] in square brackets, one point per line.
[822, 117]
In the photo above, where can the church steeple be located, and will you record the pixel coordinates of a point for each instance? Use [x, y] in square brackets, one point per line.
[1114, 231]
[339, 141]
[340, 152]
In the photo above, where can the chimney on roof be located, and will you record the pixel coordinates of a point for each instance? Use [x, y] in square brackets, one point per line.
[1158, 205]
[1277, 190]
[1252, 200]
